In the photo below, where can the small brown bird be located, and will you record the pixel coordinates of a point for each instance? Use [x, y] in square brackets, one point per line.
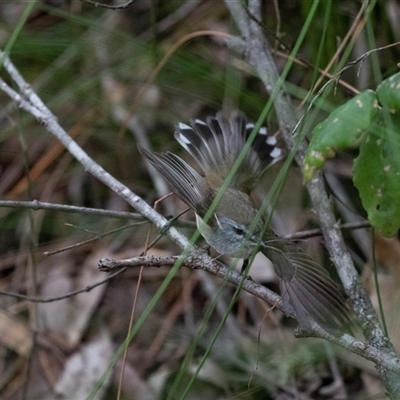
[235, 226]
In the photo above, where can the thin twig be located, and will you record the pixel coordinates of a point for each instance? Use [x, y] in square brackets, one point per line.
[41, 205]
[64, 296]
[94, 239]
[318, 232]
[108, 6]
[172, 19]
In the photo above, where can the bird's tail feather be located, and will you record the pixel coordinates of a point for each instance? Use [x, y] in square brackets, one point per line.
[307, 288]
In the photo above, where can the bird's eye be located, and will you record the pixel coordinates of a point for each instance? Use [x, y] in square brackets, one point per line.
[239, 231]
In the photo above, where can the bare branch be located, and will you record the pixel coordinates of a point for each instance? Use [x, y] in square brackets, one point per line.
[30, 102]
[196, 260]
[64, 296]
[199, 260]
[109, 6]
[41, 205]
[318, 232]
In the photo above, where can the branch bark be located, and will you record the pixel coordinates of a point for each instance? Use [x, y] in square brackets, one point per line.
[198, 260]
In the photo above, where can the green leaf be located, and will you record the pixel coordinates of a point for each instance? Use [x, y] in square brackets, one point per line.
[377, 173]
[340, 130]
[388, 93]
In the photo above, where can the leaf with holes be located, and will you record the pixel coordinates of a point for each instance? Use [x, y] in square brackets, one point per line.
[377, 173]
[340, 130]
